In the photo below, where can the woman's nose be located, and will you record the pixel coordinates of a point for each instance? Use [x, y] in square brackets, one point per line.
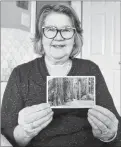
[58, 36]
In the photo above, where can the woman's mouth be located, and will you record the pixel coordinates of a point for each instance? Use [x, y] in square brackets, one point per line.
[58, 45]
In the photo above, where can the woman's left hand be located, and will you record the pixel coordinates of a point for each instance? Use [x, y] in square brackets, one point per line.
[104, 123]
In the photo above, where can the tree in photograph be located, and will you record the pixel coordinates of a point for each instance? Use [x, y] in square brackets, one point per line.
[92, 86]
[75, 88]
[65, 85]
[56, 93]
[51, 92]
[79, 89]
[89, 85]
[83, 86]
[60, 97]
[68, 90]
[90, 94]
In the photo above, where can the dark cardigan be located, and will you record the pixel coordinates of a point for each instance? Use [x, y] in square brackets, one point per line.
[70, 127]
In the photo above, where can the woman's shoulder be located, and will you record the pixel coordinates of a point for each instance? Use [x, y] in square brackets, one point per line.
[23, 70]
[85, 62]
[28, 65]
[85, 66]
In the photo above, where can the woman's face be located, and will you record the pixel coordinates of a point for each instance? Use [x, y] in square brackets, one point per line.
[58, 48]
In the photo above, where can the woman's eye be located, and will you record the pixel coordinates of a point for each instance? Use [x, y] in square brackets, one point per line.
[51, 29]
[66, 30]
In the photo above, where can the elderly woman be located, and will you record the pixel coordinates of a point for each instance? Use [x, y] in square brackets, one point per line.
[27, 120]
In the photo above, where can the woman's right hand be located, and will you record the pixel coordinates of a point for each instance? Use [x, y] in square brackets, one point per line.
[35, 118]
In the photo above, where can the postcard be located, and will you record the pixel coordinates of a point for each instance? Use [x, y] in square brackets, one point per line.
[71, 91]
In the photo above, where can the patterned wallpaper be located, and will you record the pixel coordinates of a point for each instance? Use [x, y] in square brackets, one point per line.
[16, 48]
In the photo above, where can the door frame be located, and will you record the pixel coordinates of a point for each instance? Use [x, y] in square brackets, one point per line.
[33, 17]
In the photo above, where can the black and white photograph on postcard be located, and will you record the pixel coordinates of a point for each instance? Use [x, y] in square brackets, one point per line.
[60, 73]
[71, 92]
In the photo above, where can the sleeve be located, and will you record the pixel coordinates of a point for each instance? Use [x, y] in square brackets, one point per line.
[11, 105]
[104, 99]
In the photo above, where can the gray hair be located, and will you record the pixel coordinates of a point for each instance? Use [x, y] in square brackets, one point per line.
[59, 8]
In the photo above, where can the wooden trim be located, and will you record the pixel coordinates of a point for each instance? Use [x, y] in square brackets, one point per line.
[120, 58]
[33, 17]
[77, 6]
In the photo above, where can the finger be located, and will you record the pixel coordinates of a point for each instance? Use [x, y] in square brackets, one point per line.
[34, 131]
[92, 123]
[103, 118]
[38, 129]
[98, 123]
[46, 123]
[42, 120]
[37, 115]
[105, 111]
[35, 108]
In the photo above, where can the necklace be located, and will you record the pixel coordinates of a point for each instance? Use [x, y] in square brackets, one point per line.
[59, 70]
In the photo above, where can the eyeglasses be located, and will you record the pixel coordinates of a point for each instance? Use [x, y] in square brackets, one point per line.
[51, 32]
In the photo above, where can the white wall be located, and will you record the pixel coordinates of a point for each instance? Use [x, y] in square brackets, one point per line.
[3, 85]
[11, 15]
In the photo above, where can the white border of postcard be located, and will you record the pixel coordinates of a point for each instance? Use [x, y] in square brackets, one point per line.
[72, 106]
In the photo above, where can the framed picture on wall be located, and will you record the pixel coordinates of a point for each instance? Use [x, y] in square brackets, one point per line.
[22, 4]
